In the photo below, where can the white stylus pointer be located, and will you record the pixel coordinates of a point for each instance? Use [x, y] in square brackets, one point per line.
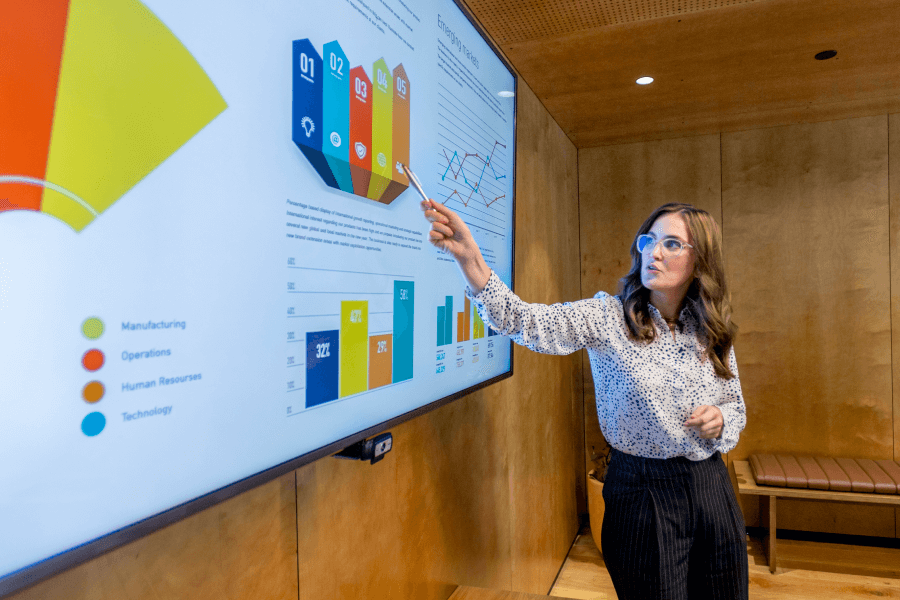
[415, 181]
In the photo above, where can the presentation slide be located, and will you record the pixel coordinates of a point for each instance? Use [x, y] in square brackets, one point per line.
[211, 262]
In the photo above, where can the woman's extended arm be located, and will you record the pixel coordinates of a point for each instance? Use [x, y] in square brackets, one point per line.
[555, 329]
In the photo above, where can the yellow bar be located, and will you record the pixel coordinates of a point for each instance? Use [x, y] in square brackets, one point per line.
[479, 326]
[354, 347]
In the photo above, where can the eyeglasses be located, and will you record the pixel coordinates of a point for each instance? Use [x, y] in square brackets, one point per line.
[671, 247]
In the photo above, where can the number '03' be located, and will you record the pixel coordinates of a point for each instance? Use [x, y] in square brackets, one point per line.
[362, 90]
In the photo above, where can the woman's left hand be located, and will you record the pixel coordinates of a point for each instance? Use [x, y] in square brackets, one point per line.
[707, 420]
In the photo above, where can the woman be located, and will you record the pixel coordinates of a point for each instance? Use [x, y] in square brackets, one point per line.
[668, 395]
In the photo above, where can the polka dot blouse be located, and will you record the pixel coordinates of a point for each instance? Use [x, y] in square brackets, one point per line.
[645, 392]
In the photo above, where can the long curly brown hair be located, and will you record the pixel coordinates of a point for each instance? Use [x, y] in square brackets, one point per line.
[707, 297]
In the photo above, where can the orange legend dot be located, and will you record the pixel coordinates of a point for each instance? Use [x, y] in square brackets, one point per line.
[93, 392]
[92, 360]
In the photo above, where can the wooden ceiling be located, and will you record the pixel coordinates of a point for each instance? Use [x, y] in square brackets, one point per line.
[719, 65]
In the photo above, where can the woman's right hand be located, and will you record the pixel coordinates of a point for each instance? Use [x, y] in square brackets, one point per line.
[451, 234]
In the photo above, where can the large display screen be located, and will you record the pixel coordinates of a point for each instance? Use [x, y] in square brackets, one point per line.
[212, 267]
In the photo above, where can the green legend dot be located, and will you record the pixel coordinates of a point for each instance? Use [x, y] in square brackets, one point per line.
[92, 328]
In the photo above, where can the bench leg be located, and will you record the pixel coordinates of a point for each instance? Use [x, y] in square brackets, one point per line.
[769, 542]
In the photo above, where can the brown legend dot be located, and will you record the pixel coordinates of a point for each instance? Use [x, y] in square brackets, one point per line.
[92, 360]
[93, 392]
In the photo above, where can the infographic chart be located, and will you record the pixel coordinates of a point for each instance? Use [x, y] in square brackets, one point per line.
[62, 156]
[353, 130]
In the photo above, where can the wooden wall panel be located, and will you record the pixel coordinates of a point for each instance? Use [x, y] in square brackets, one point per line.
[481, 492]
[545, 410]
[806, 242]
[619, 186]
[894, 189]
[432, 514]
[243, 548]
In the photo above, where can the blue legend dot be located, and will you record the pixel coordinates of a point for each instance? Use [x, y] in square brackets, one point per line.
[93, 424]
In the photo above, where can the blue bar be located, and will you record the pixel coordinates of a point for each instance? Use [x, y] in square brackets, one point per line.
[307, 108]
[448, 321]
[404, 304]
[440, 326]
[321, 367]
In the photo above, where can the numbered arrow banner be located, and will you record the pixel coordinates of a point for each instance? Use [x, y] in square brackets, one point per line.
[353, 130]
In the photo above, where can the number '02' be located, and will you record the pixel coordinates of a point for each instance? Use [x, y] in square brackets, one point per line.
[337, 64]
[322, 350]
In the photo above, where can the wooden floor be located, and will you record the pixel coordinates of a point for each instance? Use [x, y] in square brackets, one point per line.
[584, 575]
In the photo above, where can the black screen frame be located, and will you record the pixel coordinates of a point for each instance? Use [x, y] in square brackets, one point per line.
[37, 572]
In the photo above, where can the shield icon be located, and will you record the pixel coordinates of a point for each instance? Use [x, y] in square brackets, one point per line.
[360, 150]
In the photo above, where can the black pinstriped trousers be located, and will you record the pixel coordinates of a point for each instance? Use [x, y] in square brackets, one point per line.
[673, 529]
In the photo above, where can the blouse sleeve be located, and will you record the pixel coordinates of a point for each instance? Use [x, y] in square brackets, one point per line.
[550, 329]
[734, 412]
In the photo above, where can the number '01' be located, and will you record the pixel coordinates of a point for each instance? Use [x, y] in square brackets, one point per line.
[308, 65]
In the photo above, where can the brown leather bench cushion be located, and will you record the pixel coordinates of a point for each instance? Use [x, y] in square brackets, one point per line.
[823, 473]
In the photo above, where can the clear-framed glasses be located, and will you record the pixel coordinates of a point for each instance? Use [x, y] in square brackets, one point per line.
[671, 247]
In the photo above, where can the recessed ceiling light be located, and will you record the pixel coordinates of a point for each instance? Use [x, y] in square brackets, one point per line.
[826, 54]
[506, 94]
[644, 80]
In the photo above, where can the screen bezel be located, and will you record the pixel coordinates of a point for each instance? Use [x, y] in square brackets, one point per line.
[37, 572]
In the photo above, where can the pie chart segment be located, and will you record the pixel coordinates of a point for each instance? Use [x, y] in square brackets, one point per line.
[130, 94]
[67, 210]
[31, 44]
[97, 94]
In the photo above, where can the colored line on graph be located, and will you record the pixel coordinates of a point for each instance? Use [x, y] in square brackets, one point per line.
[476, 187]
[466, 201]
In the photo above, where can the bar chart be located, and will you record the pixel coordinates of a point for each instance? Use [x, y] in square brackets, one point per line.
[369, 343]
[469, 324]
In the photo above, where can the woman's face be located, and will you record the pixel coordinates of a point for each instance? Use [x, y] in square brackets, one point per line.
[673, 273]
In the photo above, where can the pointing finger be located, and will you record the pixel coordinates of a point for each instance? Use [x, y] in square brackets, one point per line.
[442, 229]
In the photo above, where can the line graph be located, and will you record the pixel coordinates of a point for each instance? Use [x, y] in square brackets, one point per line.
[476, 187]
[472, 173]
